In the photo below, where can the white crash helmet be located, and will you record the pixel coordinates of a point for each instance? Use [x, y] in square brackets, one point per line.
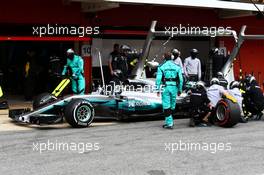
[220, 74]
[214, 81]
[250, 78]
[70, 51]
[234, 84]
[200, 85]
[175, 51]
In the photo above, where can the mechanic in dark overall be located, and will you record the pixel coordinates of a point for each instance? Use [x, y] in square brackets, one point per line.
[253, 97]
[169, 75]
[112, 57]
[200, 108]
[74, 67]
[218, 60]
[192, 66]
[31, 72]
[118, 64]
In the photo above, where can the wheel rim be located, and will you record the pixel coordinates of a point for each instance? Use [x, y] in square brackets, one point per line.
[83, 113]
[221, 113]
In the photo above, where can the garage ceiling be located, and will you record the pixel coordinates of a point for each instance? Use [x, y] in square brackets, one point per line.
[96, 5]
[226, 8]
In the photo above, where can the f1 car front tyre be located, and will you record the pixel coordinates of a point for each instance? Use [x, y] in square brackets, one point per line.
[79, 113]
[42, 100]
[227, 113]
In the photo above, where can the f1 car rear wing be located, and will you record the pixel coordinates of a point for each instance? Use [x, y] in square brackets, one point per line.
[227, 69]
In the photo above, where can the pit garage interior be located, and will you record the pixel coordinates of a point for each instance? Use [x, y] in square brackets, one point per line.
[17, 40]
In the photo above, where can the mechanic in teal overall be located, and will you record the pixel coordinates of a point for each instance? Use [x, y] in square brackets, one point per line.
[74, 67]
[169, 82]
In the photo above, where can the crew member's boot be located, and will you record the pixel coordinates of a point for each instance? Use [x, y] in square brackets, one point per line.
[259, 116]
[168, 122]
[192, 123]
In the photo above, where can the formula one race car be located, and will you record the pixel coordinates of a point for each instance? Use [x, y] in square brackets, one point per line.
[80, 110]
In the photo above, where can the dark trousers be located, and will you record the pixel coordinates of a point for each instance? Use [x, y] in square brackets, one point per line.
[193, 77]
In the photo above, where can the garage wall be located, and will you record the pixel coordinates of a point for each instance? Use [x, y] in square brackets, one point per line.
[40, 12]
[142, 15]
[250, 58]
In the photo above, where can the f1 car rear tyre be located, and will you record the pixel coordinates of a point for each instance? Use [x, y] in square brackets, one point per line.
[227, 113]
[79, 113]
[43, 99]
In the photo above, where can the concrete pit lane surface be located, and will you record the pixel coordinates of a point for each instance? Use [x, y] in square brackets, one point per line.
[142, 147]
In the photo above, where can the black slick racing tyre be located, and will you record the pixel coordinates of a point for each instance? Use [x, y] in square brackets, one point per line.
[227, 113]
[43, 99]
[79, 113]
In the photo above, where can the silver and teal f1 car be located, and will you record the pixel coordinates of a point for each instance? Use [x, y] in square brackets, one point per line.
[80, 110]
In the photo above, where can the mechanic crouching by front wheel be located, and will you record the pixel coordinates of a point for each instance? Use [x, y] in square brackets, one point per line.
[169, 76]
[200, 106]
[74, 67]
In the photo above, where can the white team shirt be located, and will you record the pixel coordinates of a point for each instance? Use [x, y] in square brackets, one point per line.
[178, 61]
[192, 66]
[214, 94]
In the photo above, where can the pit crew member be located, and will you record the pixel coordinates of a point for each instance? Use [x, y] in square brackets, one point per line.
[223, 82]
[200, 106]
[74, 67]
[192, 66]
[112, 58]
[215, 92]
[253, 97]
[169, 75]
[118, 64]
[176, 58]
[236, 93]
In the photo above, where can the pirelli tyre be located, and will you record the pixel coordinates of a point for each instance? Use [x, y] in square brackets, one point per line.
[79, 113]
[42, 100]
[227, 113]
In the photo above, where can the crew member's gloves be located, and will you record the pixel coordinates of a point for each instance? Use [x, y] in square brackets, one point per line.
[74, 77]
